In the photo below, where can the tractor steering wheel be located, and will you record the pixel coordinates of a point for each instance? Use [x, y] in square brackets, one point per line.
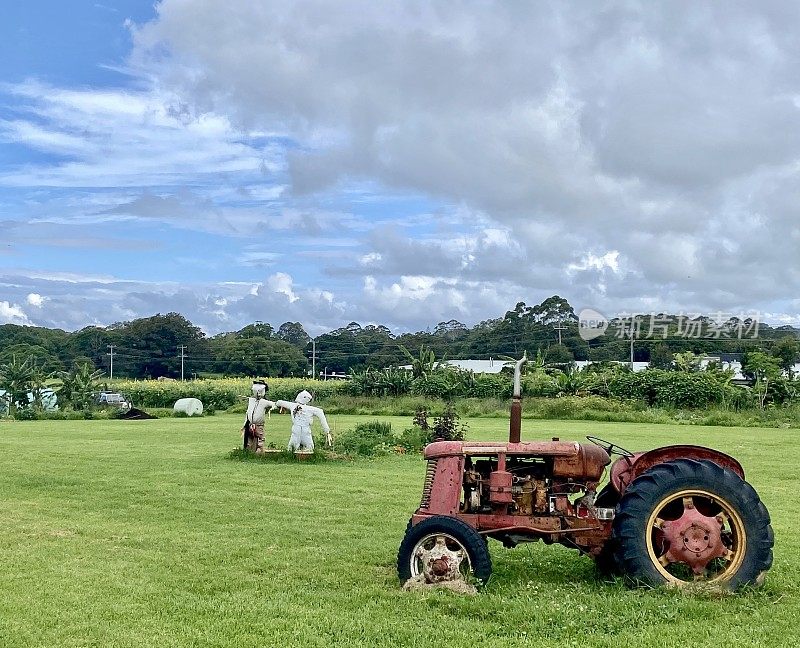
[610, 448]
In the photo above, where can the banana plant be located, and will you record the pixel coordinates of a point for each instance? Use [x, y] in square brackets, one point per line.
[423, 364]
[79, 386]
[16, 380]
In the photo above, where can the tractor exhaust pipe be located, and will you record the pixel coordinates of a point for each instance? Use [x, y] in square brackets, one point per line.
[515, 424]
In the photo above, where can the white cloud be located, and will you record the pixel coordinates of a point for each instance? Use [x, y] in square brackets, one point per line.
[35, 299]
[626, 156]
[609, 260]
[280, 282]
[123, 138]
[371, 258]
[12, 314]
[668, 137]
[413, 288]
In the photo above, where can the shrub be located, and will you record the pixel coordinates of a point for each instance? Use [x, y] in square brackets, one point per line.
[414, 439]
[26, 414]
[491, 386]
[443, 383]
[657, 387]
[421, 419]
[367, 439]
[448, 426]
[540, 384]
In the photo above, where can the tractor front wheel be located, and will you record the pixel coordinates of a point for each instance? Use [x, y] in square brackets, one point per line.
[684, 521]
[443, 548]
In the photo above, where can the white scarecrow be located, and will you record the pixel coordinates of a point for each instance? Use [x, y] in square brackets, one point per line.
[257, 406]
[302, 417]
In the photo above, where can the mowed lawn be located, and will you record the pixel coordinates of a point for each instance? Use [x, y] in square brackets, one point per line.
[144, 533]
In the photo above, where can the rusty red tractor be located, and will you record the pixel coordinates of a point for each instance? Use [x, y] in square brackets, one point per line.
[673, 515]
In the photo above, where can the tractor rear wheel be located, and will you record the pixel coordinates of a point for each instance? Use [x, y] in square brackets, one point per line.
[684, 521]
[443, 548]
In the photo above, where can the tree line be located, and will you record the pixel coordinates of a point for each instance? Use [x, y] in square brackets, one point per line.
[150, 347]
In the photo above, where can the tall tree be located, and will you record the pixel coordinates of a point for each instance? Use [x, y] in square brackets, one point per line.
[786, 351]
[554, 310]
[661, 356]
[149, 347]
[293, 333]
[257, 329]
[259, 356]
[450, 330]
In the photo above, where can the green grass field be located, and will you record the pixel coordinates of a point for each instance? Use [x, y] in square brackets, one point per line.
[144, 533]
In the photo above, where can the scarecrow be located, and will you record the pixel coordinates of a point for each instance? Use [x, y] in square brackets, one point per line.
[257, 407]
[302, 416]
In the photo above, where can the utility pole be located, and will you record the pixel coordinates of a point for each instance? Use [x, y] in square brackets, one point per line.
[313, 359]
[182, 348]
[560, 327]
[633, 337]
[111, 353]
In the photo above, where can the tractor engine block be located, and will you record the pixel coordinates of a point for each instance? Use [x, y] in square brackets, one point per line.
[531, 491]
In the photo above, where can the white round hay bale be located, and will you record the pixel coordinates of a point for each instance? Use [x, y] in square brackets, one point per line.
[189, 406]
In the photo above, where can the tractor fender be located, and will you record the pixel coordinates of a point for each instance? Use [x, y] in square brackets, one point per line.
[626, 469]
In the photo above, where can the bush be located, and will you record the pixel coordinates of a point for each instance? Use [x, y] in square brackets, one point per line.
[421, 419]
[440, 384]
[414, 439]
[491, 386]
[448, 426]
[70, 414]
[661, 388]
[367, 439]
[26, 414]
[540, 384]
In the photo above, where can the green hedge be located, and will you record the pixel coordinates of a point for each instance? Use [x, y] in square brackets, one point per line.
[654, 387]
[218, 394]
[674, 389]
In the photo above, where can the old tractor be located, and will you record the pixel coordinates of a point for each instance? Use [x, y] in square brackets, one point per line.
[673, 515]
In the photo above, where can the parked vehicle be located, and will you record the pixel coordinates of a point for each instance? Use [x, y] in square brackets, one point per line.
[113, 399]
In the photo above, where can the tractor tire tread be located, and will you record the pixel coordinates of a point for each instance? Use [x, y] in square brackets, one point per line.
[647, 490]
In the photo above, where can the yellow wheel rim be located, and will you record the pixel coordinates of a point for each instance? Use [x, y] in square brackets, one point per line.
[732, 534]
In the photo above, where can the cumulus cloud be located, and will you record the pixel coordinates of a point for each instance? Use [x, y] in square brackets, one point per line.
[405, 164]
[76, 300]
[12, 314]
[35, 299]
[629, 153]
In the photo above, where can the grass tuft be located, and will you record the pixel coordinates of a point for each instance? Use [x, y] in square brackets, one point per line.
[279, 456]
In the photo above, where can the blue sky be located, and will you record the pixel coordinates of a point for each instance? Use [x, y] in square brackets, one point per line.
[82, 206]
[394, 164]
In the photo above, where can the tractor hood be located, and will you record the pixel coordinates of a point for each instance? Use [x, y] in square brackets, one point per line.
[570, 459]
[531, 448]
